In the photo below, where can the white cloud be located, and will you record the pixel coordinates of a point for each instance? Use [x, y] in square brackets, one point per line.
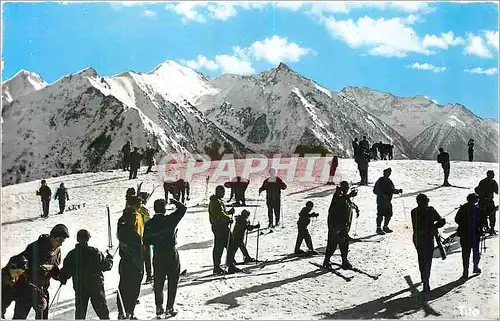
[328, 7]
[387, 37]
[443, 41]
[479, 70]
[277, 49]
[273, 50]
[201, 62]
[426, 66]
[149, 13]
[188, 11]
[202, 11]
[477, 46]
[121, 4]
[492, 38]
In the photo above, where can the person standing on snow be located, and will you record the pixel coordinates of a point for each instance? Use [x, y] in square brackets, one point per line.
[149, 155]
[131, 267]
[161, 231]
[339, 224]
[444, 159]
[425, 221]
[273, 186]
[62, 196]
[146, 249]
[384, 189]
[134, 163]
[220, 221]
[238, 188]
[125, 154]
[43, 258]
[85, 265]
[471, 220]
[45, 194]
[470, 149]
[303, 233]
[485, 190]
[241, 225]
[355, 147]
[334, 163]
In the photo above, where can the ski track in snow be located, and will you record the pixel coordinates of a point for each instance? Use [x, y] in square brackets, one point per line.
[298, 290]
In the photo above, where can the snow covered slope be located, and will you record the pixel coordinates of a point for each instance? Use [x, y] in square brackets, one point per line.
[429, 126]
[80, 122]
[22, 83]
[291, 288]
[279, 109]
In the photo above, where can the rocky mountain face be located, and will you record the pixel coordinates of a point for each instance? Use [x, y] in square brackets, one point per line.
[80, 122]
[428, 126]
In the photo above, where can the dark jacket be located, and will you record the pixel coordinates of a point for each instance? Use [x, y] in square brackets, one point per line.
[241, 225]
[161, 230]
[340, 213]
[149, 154]
[61, 194]
[384, 189]
[44, 192]
[273, 190]
[471, 220]
[305, 217]
[134, 159]
[425, 221]
[217, 211]
[43, 261]
[85, 265]
[130, 240]
[364, 145]
[486, 188]
[444, 159]
[126, 149]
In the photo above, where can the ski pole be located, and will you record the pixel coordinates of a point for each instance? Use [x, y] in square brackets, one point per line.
[55, 296]
[110, 239]
[257, 254]
[253, 220]
[121, 300]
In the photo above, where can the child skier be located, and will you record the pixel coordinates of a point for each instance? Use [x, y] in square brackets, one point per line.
[302, 223]
[241, 225]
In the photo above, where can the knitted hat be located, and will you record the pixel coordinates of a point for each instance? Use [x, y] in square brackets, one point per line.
[60, 230]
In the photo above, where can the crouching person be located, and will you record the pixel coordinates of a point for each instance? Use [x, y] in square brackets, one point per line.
[85, 265]
[240, 227]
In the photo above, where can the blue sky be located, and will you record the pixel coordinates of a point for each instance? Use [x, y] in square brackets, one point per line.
[445, 51]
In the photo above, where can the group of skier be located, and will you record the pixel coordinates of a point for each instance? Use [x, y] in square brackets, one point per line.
[45, 194]
[131, 160]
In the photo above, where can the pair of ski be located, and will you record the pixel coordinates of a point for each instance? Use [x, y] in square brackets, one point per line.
[244, 271]
[346, 278]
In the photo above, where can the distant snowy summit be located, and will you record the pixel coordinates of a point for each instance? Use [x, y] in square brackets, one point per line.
[80, 122]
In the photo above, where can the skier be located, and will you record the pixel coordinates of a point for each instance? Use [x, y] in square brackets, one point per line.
[381, 149]
[15, 269]
[364, 145]
[130, 194]
[444, 159]
[241, 225]
[339, 224]
[125, 154]
[160, 231]
[470, 150]
[45, 194]
[146, 249]
[43, 258]
[220, 221]
[273, 186]
[238, 188]
[62, 195]
[85, 265]
[471, 221]
[425, 221]
[391, 151]
[131, 266]
[373, 152]
[149, 156]
[355, 147]
[333, 168]
[303, 232]
[384, 189]
[485, 191]
[363, 159]
[179, 189]
[134, 163]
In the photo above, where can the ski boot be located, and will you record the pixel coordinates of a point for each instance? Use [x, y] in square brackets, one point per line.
[159, 312]
[327, 264]
[492, 232]
[233, 269]
[299, 252]
[379, 231]
[312, 252]
[476, 270]
[248, 259]
[218, 271]
[426, 288]
[149, 279]
[170, 312]
[121, 316]
[346, 264]
[386, 229]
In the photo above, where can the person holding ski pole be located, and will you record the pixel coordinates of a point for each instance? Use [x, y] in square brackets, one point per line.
[425, 221]
[273, 186]
[303, 233]
[241, 225]
[62, 196]
[485, 190]
[220, 221]
[85, 265]
[160, 231]
[384, 189]
[45, 194]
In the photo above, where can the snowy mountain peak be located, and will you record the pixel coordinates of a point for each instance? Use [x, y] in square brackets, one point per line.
[283, 67]
[22, 83]
[87, 72]
[170, 66]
